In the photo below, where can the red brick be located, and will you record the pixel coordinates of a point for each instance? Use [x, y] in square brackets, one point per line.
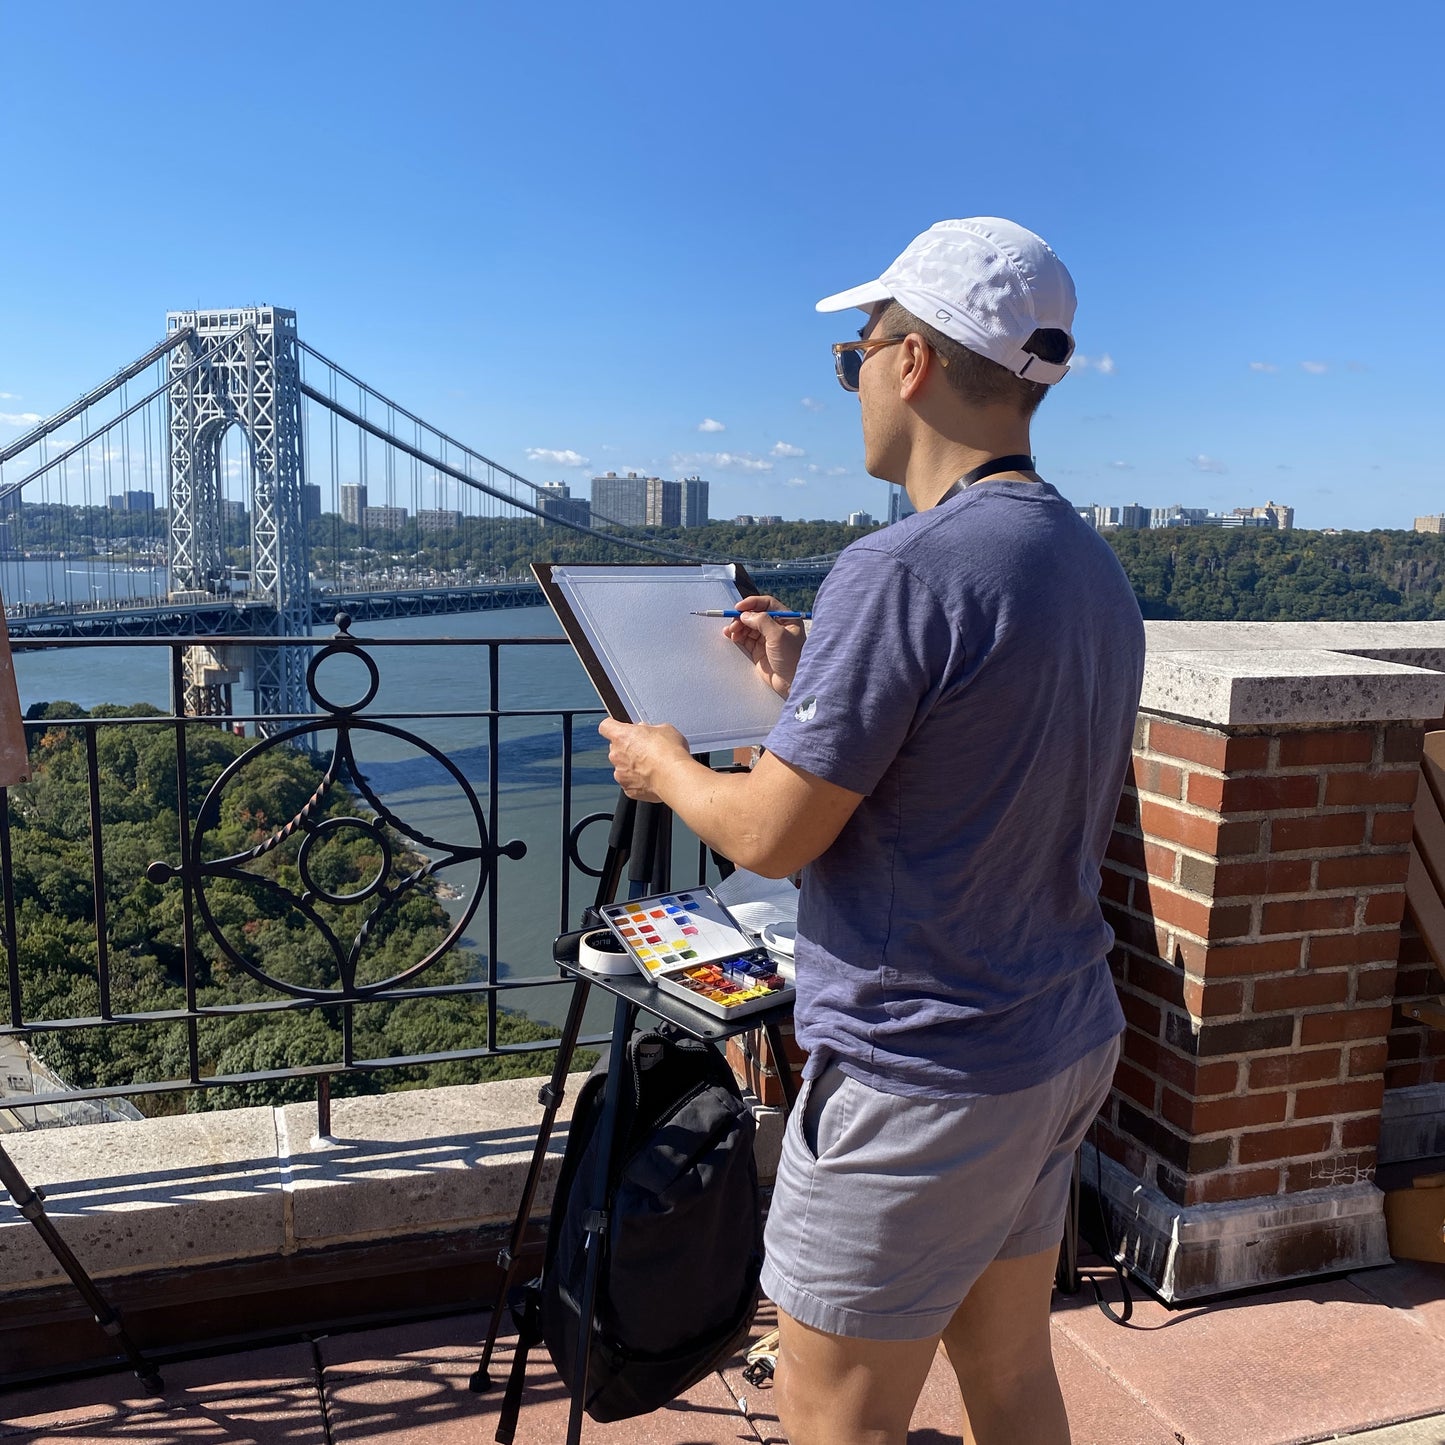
[1408, 1076]
[1402, 745]
[1362, 1132]
[1336, 949]
[1392, 828]
[1273, 956]
[1272, 1071]
[1364, 871]
[1196, 875]
[1270, 794]
[1160, 862]
[1343, 790]
[1383, 908]
[1159, 821]
[1177, 909]
[1307, 915]
[1322, 830]
[1156, 979]
[1114, 886]
[1359, 1096]
[1194, 745]
[1126, 815]
[1252, 880]
[1205, 790]
[1301, 990]
[1290, 1143]
[1217, 1076]
[1416, 982]
[1214, 999]
[1331, 1028]
[1141, 1014]
[1367, 1058]
[1406, 1042]
[1152, 776]
[1215, 1116]
[1229, 1184]
[1303, 750]
[1135, 1084]
[1374, 984]
[1238, 840]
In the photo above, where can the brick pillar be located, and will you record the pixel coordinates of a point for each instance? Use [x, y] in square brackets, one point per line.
[1256, 885]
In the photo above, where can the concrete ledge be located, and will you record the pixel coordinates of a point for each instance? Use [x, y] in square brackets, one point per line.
[1204, 1250]
[221, 1188]
[1307, 673]
[1412, 1124]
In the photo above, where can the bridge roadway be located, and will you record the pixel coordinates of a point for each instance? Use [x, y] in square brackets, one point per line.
[239, 618]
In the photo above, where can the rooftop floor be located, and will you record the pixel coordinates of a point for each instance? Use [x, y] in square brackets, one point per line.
[1341, 1358]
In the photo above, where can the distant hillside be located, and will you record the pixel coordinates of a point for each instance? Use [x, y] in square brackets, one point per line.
[1212, 574]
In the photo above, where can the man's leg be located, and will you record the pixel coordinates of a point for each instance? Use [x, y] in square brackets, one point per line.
[999, 1346]
[831, 1390]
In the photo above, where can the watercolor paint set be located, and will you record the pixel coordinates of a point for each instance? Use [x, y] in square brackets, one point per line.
[690, 946]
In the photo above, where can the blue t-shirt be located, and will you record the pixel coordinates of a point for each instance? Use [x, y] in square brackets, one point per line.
[974, 671]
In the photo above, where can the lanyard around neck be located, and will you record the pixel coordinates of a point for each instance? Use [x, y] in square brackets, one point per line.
[1016, 463]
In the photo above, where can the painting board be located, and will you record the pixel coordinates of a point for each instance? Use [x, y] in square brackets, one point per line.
[650, 660]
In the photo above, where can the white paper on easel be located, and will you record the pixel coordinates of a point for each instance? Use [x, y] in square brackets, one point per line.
[667, 665]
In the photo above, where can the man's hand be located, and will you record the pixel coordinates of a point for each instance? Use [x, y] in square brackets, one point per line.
[773, 646]
[639, 753]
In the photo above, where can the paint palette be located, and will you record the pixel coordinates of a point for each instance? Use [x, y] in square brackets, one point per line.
[690, 946]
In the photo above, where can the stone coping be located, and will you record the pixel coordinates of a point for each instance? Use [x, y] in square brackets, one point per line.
[1303, 673]
[196, 1190]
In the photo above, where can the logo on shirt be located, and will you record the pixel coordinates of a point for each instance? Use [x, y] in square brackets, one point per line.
[806, 710]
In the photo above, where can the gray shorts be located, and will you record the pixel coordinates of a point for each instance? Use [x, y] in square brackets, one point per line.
[887, 1208]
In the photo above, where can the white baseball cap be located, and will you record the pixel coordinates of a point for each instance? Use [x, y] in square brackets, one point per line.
[987, 283]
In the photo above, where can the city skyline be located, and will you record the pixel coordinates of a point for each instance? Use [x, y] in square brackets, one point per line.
[631, 288]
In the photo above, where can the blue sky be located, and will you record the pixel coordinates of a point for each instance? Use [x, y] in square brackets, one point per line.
[570, 231]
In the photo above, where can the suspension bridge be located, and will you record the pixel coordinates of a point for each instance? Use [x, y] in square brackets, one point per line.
[234, 482]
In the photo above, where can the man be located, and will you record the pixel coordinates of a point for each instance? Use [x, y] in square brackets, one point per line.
[945, 772]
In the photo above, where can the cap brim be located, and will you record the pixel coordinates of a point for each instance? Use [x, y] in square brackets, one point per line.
[864, 296]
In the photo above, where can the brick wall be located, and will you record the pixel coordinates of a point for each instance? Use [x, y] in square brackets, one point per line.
[1256, 884]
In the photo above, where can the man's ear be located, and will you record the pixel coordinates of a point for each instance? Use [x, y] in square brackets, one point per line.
[916, 364]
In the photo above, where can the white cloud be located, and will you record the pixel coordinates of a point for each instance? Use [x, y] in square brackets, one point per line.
[796, 482]
[19, 418]
[1263, 366]
[564, 458]
[1104, 363]
[1315, 368]
[8, 396]
[1123, 466]
[723, 461]
[836, 472]
[786, 449]
[708, 424]
[811, 403]
[1205, 463]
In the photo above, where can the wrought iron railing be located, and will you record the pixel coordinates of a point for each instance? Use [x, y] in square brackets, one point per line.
[297, 881]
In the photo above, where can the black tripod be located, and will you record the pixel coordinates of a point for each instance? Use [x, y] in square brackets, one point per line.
[29, 1202]
[641, 841]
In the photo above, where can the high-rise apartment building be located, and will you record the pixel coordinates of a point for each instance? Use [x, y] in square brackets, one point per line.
[860, 519]
[353, 503]
[899, 505]
[438, 519]
[132, 502]
[310, 502]
[383, 519]
[619, 501]
[1434, 524]
[557, 504]
[694, 502]
[664, 503]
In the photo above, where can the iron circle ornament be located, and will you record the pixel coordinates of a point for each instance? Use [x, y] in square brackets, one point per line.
[574, 843]
[343, 649]
[328, 827]
[383, 890]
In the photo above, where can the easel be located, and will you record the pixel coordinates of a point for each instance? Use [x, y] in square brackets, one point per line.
[641, 832]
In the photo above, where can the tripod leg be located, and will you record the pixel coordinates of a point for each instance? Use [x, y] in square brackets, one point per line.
[27, 1201]
[619, 841]
[550, 1095]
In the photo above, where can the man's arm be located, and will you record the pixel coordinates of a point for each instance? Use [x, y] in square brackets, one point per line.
[772, 820]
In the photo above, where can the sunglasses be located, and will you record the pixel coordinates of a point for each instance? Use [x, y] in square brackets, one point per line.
[849, 356]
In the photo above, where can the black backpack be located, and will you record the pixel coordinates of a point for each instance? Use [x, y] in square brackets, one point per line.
[678, 1283]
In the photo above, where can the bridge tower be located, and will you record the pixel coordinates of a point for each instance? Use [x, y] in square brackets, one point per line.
[252, 380]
